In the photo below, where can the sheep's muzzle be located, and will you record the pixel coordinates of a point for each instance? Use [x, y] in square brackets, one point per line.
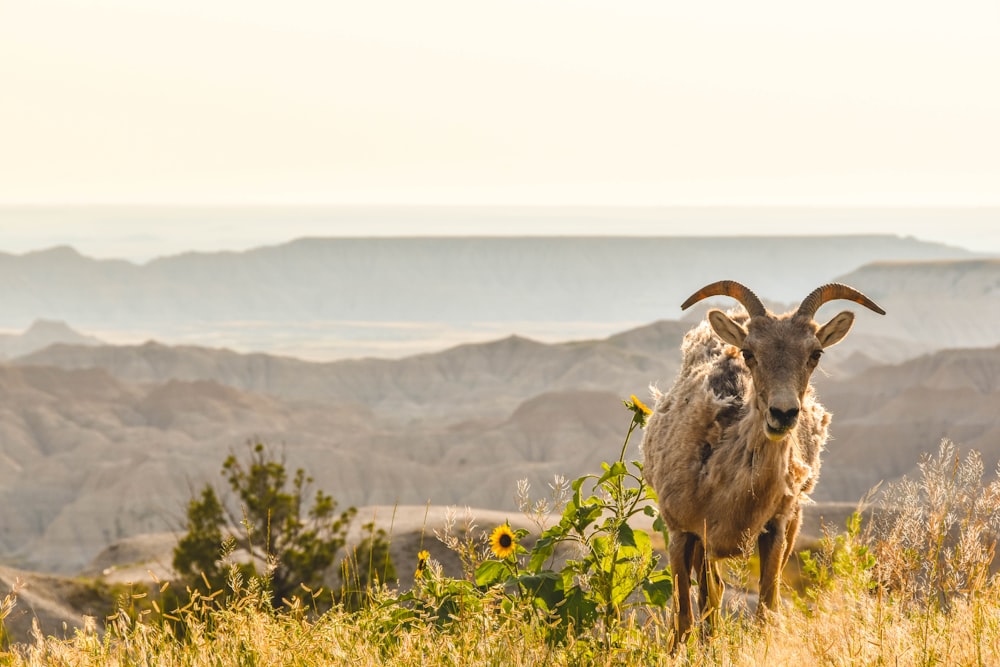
[778, 423]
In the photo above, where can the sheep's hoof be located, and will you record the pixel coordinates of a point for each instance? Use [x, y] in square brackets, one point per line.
[765, 614]
[677, 640]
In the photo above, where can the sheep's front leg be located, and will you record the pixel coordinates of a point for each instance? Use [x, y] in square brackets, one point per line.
[791, 534]
[681, 553]
[771, 546]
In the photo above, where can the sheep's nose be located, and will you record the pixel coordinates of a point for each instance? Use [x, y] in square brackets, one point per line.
[784, 418]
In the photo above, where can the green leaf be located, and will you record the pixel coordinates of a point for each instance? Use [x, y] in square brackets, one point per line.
[559, 531]
[541, 552]
[600, 547]
[650, 494]
[627, 536]
[586, 515]
[545, 588]
[579, 608]
[658, 588]
[491, 572]
[617, 469]
[622, 567]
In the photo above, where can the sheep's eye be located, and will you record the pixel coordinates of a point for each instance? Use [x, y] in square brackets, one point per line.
[747, 356]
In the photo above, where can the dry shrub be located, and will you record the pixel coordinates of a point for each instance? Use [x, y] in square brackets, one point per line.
[936, 535]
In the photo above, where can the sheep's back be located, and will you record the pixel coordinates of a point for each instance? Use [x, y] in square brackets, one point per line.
[706, 397]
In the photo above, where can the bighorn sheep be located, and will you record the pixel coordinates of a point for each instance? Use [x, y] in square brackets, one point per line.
[733, 448]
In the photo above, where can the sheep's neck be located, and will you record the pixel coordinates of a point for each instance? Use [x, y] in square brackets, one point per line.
[757, 478]
[774, 464]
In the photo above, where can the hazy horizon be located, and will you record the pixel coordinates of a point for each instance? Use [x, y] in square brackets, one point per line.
[140, 234]
[392, 296]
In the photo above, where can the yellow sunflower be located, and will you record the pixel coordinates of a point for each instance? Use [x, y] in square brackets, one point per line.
[421, 564]
[502, 541]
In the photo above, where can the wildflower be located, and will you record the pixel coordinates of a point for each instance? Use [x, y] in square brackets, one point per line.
[640, 410]
[639, 406]
[421, 564]
[502, 541]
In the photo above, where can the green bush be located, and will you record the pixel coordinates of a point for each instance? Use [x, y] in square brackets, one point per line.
[293, 549]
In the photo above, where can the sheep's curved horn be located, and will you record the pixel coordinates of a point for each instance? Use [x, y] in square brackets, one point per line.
[728, 288]
[832, 291]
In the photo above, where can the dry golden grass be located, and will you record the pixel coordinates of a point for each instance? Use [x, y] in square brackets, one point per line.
[911, 588]
[845, 626]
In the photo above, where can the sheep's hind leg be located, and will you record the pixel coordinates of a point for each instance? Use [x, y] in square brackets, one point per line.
[710, 587]
[681, 552]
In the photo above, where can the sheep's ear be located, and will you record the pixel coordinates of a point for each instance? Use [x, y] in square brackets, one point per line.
[834, 331]
[726, 329]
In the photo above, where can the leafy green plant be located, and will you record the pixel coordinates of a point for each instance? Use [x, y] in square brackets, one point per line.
[611, 568]
[436, 599]
[844, 557]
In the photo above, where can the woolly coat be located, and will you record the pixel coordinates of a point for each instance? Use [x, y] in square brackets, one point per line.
[715, 472]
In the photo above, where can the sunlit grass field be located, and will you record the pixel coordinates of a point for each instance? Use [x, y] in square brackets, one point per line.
[911, 586]
[845, 622]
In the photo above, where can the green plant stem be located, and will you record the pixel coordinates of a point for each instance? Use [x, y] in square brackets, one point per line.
[631, 428]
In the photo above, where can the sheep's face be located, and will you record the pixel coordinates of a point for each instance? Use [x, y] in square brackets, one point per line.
[781, 354]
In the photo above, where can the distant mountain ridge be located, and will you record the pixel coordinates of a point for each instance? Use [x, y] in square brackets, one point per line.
[475, 379]
[939, 303]
[430, 279]
[887, 416]
[931, 305]
[41, 334]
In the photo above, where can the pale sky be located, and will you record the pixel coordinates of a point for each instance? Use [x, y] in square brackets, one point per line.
[556, 102]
